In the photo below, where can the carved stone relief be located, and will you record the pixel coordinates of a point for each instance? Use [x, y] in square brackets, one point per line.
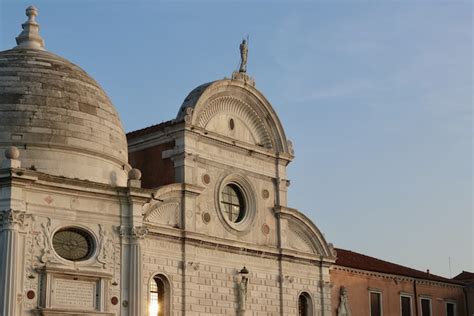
[165, 214]
[240, 109]
[11, 219]
[298, 239]
[134, 232]
[43, 240]
[109, 251]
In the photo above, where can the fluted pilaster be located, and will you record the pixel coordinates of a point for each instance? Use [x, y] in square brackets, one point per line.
[11, 221]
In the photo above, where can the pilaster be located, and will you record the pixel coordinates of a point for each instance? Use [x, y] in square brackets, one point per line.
[11, 222]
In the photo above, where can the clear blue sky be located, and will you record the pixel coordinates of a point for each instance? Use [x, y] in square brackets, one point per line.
[377, 97]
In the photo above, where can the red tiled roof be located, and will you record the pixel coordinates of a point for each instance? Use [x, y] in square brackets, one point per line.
[149, 129]
[350, 259]
[465, 276]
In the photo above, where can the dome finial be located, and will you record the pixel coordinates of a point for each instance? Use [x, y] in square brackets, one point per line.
[30, 37]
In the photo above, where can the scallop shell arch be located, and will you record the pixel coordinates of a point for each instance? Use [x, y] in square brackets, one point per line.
[240, 109]
[242, 100]
[164, 214]
[299, 240]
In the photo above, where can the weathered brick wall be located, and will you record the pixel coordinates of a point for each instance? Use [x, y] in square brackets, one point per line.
[156, 171]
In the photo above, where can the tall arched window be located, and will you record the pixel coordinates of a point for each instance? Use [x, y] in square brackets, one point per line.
[305, 305]
[159, 296]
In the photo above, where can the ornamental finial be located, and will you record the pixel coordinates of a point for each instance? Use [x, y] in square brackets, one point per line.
[30, 37]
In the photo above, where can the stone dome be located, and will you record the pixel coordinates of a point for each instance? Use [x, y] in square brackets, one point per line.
[60, 119]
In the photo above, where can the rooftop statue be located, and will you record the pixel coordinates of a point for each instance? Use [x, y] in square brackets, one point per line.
[243, 56]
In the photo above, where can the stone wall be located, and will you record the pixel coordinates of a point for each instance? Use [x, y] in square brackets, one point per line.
[211, 277]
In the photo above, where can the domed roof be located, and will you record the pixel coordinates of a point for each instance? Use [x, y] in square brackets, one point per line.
[57, 115]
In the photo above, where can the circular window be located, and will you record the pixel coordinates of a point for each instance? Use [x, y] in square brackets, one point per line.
[73, 244]
[233, 203]
[235, 200]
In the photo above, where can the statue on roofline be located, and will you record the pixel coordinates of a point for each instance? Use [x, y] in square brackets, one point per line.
[243, 56]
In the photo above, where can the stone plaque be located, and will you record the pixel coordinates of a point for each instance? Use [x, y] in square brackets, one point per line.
[75, 294]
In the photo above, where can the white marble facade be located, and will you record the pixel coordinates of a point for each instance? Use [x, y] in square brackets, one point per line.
[81, 236]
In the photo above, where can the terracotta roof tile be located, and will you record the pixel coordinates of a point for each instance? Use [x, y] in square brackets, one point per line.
[347, 258]
[465, 276]
[149, 129]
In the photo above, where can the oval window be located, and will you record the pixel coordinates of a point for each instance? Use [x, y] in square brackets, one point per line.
[73, 244]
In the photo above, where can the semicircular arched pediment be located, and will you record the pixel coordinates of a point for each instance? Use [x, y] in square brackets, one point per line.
[302, 235]
[207, 103]
[232, 106]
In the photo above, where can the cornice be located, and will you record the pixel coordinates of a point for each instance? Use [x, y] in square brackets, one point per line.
[236, 145]
[394, 276]
[55, 184]
[236, 247]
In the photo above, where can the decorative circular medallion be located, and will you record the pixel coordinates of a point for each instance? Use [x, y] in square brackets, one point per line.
[114, 300]
[206, 217]
[30, 294]
[265, 229]
[265, 194]
[206, 179]
[73, 244]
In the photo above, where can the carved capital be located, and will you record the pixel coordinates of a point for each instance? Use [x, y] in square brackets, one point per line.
[139, 232]
[134, 232]
[11, 219]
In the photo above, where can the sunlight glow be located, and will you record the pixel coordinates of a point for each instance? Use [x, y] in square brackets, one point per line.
[153, 309]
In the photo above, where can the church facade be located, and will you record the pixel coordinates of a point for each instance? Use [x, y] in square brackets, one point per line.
[188, 217]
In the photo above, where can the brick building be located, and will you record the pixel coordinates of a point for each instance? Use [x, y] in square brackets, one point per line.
[363, 285]
[467, 278]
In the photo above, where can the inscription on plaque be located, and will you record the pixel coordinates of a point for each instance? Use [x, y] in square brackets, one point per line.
[74, 294]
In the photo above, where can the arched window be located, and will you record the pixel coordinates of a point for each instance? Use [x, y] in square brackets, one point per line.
[159, 296]
[305, 305]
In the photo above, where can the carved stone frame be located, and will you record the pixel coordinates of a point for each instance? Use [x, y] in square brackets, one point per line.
[248, 193]
[48, 304]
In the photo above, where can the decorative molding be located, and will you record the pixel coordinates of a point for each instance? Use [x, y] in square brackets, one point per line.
[332, 250]
[134, 232]
[291, 149]
[43, 240]
[107, 248]
[188, 116]
[139, 232]
[394, 277]
[12, 219]
[303, 234]
[248, 191]
[299, 240]
[242, 110]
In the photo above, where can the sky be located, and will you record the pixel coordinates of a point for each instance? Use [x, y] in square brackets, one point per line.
[377, 97]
